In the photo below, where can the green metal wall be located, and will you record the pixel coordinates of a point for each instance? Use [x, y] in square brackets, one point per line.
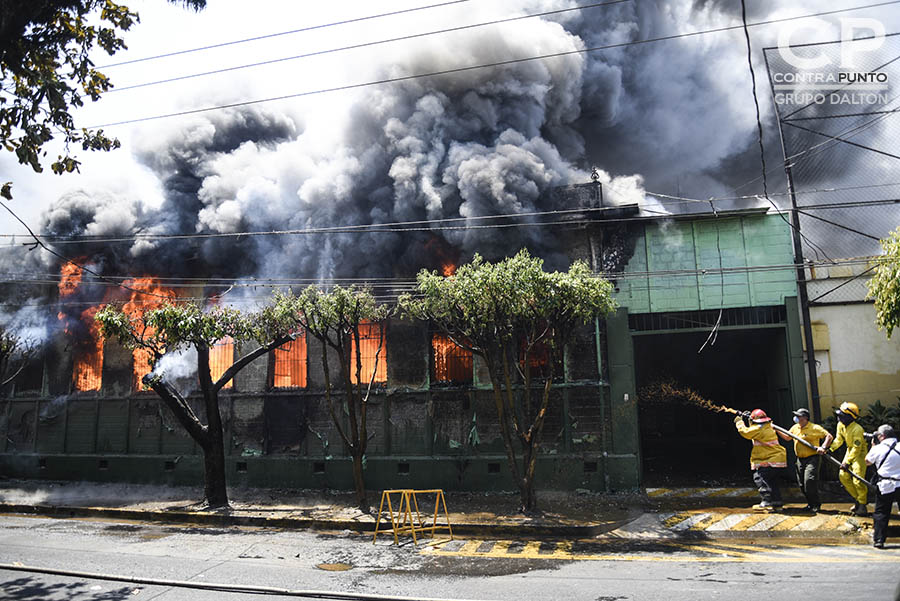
[688, 246]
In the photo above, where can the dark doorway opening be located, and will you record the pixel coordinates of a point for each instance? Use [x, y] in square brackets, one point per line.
[684, 445]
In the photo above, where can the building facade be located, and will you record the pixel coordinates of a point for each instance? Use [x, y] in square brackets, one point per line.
[721, 282]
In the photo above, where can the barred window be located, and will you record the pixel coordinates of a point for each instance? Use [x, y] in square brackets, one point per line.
[539, 361]
[450, 362]
[289, 364]
[371, 336]
[221, 357]
[87, 372]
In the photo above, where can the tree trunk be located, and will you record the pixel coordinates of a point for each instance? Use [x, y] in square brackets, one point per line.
[359, 482]
[526, 487]
[214, 470]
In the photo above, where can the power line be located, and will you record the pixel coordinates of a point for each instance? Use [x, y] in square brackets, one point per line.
[283, 33]
[414, 226]
[468, 68]
[365, 45]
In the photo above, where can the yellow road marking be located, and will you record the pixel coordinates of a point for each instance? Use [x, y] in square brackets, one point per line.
[676, 519]
[657, 492]
[790, 523]
[750, 520]
[687, 492]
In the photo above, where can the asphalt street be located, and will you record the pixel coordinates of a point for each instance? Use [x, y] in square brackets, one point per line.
[595, 570]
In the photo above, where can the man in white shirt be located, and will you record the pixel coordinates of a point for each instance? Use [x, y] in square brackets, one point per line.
[885, 456]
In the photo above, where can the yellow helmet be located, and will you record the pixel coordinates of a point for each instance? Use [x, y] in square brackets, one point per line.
[850, 409]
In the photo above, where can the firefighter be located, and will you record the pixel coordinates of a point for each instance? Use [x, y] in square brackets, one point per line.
[767, 458]
[885, 456]
[851, 433]
[808, 460]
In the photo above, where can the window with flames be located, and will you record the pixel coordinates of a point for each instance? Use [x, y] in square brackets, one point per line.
[288, 364]
[371, 337]
[451, 363]
[221, 357]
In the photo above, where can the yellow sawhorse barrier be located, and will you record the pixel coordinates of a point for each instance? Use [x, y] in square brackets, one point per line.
[402, 519]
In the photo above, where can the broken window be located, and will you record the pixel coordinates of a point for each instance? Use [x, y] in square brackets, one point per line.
[141, 367]
[221, 357]
[289, 364]
[450, 362]
[31, 379]
[371, 338]
[539, 361]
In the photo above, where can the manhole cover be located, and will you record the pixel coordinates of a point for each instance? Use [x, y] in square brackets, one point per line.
[334, 567]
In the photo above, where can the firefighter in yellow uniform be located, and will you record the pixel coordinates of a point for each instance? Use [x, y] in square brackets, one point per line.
[767, 458]
[850, 433]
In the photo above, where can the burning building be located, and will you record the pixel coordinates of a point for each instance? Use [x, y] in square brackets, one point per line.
[432, 416]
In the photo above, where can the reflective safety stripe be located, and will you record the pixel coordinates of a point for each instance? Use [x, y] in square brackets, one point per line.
[753, 466]
[757, 443]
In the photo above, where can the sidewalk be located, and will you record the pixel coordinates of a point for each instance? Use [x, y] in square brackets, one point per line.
[681, 513]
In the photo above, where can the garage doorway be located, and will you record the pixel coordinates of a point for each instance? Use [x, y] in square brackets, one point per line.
[682, 445]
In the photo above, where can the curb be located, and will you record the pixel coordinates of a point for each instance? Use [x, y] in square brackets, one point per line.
[226, 520]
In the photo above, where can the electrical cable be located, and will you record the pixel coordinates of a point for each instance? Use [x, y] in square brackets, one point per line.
[283, 33]
[759, 128]
[363, 45]
[468, 68]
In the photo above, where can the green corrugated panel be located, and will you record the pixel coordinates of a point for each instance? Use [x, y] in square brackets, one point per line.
[144, 430]
[718, 290]
[768, 242]
[670, 247]
[51, 430]
[112, 436]
[80, 426]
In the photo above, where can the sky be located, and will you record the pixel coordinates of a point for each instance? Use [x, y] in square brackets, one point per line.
[671, 117]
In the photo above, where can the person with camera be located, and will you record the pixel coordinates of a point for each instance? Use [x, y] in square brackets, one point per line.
[851, 433]
[808, 460]
[885, 456]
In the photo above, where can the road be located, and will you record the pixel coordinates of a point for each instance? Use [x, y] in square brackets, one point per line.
[463, 569]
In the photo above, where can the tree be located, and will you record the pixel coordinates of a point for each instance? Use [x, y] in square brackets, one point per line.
[15, 352]
[172, 328]
[508, 313]
[335, 318]
[884, 286]
[45, 72]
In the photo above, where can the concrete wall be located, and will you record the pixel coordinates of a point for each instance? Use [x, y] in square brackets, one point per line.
[854, 360]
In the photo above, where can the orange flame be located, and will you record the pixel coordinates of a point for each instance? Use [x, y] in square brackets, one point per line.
[70, 277]
[137, 304]
[452, 363]
[87, 370]
[448, 269]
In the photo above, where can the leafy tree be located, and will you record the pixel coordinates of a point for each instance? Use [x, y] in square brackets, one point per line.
[506, 313]
[884, 286]
[335, 318]
[45, 72]
[15, 352]
[173, 328]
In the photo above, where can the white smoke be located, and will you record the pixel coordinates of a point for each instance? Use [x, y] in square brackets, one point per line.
[179, 368]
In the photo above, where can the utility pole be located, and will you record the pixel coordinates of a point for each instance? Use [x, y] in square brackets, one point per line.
[801, 266]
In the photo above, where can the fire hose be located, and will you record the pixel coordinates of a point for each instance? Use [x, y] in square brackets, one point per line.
[811, 446]
[827, 456]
